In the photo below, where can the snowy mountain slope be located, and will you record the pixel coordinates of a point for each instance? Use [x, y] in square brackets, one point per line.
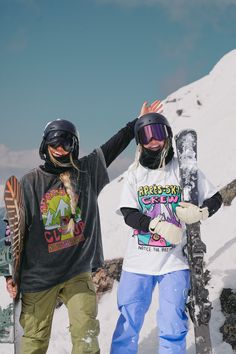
[208, 106]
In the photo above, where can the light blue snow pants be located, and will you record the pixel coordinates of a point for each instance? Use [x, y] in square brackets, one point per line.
[134, 298]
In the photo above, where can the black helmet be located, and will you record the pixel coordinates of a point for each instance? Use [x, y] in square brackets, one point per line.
[150, 119]
[60, 132]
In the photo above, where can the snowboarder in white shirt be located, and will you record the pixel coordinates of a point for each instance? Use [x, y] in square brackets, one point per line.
[151, 203]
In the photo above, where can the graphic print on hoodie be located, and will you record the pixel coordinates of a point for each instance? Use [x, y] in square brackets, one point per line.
[56, 213]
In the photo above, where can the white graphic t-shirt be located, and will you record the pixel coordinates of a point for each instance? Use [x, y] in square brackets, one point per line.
[157, 192]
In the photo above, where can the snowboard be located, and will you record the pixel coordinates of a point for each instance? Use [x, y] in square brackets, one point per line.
[14, 204]
[198, 305]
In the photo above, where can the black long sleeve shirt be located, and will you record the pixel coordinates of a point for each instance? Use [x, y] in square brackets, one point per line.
[118, 142]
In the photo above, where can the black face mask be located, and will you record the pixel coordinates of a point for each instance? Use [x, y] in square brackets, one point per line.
[151, 159]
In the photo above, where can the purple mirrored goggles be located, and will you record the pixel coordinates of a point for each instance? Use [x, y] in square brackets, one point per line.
[152, 131]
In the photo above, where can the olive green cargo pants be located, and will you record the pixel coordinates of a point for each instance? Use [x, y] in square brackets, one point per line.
[78, 294]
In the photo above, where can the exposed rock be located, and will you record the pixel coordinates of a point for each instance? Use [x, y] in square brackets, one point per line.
[199, 102]
[179, 112]
[229, 331]
[228, 301]
[120, 179]
[102, 281]
[104, 277]
[228, 193]
[228, 305]
[171, 101]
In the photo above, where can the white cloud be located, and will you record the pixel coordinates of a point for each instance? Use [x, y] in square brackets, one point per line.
[19, 162]
[23, 158]
[16, 162]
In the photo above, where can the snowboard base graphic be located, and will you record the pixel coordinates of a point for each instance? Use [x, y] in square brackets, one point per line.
[15, 216]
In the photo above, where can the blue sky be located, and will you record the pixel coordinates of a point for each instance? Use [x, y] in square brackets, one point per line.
[95, 61]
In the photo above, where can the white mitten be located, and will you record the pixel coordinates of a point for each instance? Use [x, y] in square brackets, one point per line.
[190, 213]
[168, 231]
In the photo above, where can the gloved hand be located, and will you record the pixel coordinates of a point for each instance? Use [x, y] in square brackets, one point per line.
[190, 213]
[168, 231]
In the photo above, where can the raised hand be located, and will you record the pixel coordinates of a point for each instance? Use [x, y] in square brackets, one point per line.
[156, 107]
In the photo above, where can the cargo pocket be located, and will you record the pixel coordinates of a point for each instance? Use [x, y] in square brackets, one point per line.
[36, 315]
[90, 299]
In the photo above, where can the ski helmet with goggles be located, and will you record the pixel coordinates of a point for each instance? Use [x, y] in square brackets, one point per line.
[60, 132]
[152, 126]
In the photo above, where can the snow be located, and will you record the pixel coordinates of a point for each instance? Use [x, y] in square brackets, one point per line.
[208, 106]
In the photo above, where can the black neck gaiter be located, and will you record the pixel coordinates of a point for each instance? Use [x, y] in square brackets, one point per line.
[151, 159]
[51, 168]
